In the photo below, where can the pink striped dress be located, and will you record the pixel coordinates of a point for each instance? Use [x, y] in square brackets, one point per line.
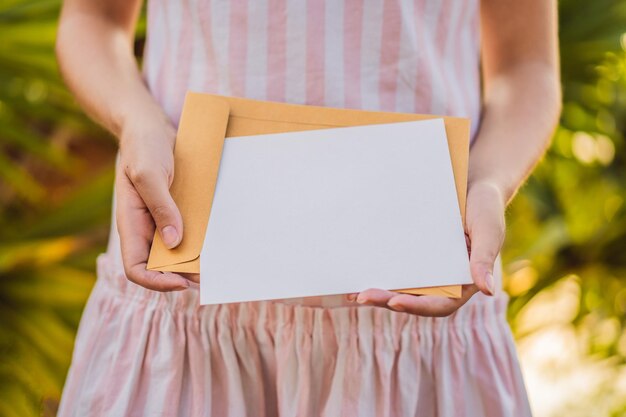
[144, 353]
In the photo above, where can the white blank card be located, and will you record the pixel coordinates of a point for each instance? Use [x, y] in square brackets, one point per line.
[333, 211]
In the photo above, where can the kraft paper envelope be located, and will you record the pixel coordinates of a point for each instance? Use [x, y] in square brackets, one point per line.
[208, 119]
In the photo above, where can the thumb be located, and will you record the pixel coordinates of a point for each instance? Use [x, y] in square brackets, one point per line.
[486, 238]
[154, 191]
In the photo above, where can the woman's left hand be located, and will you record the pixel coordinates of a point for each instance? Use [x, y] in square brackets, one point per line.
[485, 229]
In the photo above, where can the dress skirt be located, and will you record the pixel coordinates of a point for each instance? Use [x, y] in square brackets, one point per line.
[145, 353]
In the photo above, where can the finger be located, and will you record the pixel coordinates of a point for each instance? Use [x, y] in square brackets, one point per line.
[375, 297]
[136, 229]
[352, 296]
[191, 277]
[153, 188]
[486, 238]
[429, 305]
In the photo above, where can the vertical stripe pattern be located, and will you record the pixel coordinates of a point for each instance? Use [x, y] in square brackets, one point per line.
[393, 55]
[147, 353]
[419, 56]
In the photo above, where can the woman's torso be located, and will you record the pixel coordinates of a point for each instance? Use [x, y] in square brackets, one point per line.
[418, 56]
[415, 56]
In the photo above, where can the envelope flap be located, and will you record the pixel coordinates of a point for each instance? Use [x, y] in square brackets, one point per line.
[199, 144]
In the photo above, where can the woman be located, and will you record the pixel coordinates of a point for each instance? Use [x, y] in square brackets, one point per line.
[146, 347]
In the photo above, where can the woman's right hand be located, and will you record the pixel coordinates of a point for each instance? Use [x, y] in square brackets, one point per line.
[144, 174]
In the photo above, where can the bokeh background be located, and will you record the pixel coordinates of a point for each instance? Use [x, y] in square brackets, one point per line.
[565, 257]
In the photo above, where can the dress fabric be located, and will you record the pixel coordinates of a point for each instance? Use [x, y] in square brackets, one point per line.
[145, 353]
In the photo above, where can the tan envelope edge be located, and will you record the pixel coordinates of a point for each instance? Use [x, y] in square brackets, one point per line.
[199, 146]
[197, 154]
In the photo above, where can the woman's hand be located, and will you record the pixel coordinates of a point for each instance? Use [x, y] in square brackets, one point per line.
[145, 173]
[485, 229]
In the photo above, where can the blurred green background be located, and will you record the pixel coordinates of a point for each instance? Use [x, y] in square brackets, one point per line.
[565, 258]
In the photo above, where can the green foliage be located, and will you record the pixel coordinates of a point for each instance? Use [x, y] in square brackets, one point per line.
[56, 176]
[570, 219]
[54, 210]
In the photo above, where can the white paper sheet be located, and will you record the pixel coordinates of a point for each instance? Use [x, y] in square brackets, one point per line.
[333, 211]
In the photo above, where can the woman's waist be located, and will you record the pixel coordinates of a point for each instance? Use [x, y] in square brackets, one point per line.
[112, 279]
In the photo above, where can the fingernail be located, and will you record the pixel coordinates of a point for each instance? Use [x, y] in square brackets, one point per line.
[169, 236]
[183, 285]
[361, 300]
[396, 307]
[490, 283]
[351, 297]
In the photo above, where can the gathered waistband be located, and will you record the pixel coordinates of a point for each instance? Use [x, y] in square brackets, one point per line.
[113, 283]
